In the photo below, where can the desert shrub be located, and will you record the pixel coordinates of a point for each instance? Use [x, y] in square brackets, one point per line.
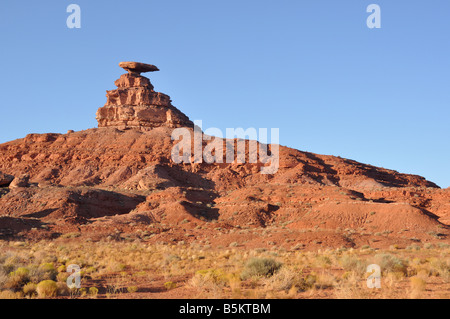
[322, 261]
[260, 267]
[284, 279]
[62, 289]
[20, 275]
[417, 286]
[352, 263]
[47, 289]
[170, 285]
[208, 279]
[170, 259]
[17, 278]
[132, 289]
[441, 267]
[49, 271]
[417, 283]
[10, 261]
[91, 270]
[307, 282]
[390, 263]
[3, 278]
[36, 274]
[22, 272]
[62, 277]
[93, 291]
[29, 289]
[216, 275]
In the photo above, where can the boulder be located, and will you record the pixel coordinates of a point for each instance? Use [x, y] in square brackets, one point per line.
[20, 181]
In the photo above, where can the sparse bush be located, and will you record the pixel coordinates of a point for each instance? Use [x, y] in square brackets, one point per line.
[390, 263]
[284, 279]
[17, 278]
[132, 289]
[260, 267]
[442, 267]
[352, 263]
[36, 274]
[29, 289]
[93, 291]
[211, 280]
[418, 285]
[62, 289]
[170, 285]
[49, 271]
[82, 291]
[47, 289]
[307, 282]
[62, 277]
[3, 278]
[11, 261]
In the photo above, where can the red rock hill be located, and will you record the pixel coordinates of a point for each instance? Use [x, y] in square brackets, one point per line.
[118, 181]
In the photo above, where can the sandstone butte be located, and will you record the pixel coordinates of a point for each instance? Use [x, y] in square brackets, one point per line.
[118, 181]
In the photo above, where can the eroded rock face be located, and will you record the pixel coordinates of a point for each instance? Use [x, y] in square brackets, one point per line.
[134, 104]
[5, 179]
[20, 181]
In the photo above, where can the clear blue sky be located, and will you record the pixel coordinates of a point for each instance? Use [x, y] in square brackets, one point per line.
[309, 67]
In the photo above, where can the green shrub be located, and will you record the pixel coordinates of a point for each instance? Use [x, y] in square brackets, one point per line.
[62, 277]
[390, 263]
[18, 278]
[260, 267]
[47, 289]
[132, 289]
[284, 279]
[49, 271]
[22, 272]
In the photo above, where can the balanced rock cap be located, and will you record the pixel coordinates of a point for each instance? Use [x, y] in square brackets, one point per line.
[138, 67]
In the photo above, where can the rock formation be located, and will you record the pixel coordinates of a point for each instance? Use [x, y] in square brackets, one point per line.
[20, 181]
[134, 104]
